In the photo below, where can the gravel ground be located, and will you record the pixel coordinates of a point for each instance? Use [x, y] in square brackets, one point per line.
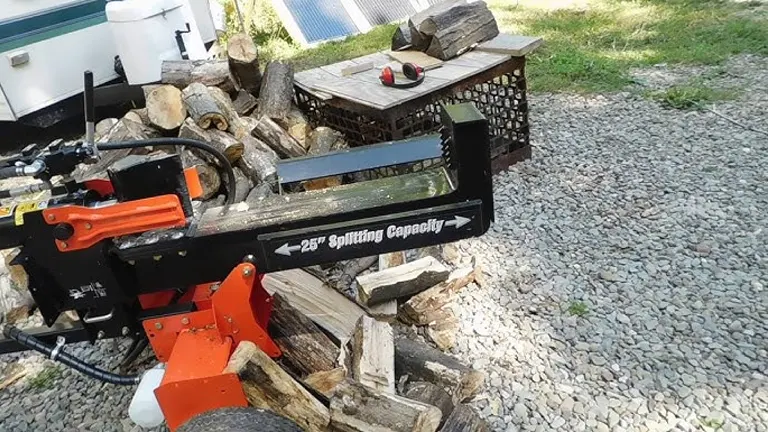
[627, 275]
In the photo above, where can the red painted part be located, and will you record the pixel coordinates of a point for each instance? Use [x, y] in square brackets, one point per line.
[195, 381]
[194, 186]
[155, 300]
[164, 332]
[102, 186]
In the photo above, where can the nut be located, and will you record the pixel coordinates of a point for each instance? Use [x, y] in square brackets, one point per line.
[185, 321]
[159, 326]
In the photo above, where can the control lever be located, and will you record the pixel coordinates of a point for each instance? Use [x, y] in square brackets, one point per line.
[90, 113]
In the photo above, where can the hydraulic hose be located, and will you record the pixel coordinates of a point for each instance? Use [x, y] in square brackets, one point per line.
[55, 353]
[184, 142]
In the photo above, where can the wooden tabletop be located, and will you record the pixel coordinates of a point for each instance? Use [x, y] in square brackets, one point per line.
[365, 88]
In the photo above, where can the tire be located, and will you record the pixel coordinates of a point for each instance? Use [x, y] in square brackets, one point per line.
[239, 419]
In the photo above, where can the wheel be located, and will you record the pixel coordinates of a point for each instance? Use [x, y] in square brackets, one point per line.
[239, 419]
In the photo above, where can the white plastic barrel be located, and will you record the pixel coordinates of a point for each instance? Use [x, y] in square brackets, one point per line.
[145, 35]
[144, 409]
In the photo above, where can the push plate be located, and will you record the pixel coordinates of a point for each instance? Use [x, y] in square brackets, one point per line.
[366, 237]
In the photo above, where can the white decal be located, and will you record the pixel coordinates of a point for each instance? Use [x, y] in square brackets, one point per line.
[96, 289]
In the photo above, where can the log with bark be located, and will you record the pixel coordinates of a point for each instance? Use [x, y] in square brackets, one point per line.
[267, 386]
[401, 281]
[456, 29]
[425, 308]
[419, 361]
[358, 408]
[138, 115]
[321, 141]
[387, 311]
[220, 140]
[304, 345]
[402, 37]
[244, 103]
[181, 73]
[244, 62]
[210, 178]
[259, 161]
[259, 192]
[237, 127]
[276, 91]
[202, 107]
[165, 108]
[297, 125]
[430, 394]
[420, 41]
[244, 185]
[373, 354]
[465, 419]
[352, 268]
[278, 139]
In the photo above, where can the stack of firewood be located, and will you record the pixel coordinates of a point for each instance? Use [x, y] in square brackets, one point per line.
[352, 363]
[229, 103]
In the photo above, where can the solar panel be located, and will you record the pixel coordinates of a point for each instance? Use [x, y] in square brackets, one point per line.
[385, 11]
[321, 20]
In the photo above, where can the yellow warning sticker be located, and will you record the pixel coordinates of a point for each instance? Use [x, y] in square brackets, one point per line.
[27, 207]
[6, 211]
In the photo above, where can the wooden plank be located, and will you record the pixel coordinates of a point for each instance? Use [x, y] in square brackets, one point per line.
[416, 57]
[479, 60]
[319, 302]
[370, 94]
[452, 72]
[514, 45]
[336, 69]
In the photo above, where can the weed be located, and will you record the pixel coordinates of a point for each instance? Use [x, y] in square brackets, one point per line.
[45, 378]
[689, 96]
[712, 423]
[578, 308]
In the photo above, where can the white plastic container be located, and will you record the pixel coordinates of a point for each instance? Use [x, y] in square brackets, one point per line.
[145, 35]
[144, 409]
[204, 18]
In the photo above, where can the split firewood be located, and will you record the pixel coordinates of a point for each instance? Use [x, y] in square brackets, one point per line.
[202, 107]
[17, 273]
[465, 419]
[267, 386]
[352, 268]
[326, 382]
[165, 108]
[244, 185]
[425, 307]
[297, 125]
[259, 161]
[430, 394]
[181, 73]
[387, 311]
[443, 331]
[358, 408]
[210, 179]
[244, 62]
[278, 139]
[244, 103]
[373, 354]
[321, 141]
[276, 91]
[259, 193]
[421, 362]
[123, 130]
[458, 28]
[402, 37]
[305, 347]
[102, 128]
[312, 297]
[138, 115]
[401, 281]
[16, 303]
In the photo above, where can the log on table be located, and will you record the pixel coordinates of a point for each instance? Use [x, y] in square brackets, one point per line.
[419, 40]
[421, 362]
[387, 311]
[458, 28]
[165, 108]
[297, 125]
[401, 38]
[430, 394]
[426, 307]
[318, 301]
[181, 73]
[244, 103]
[278, 139]
[401, 281]
[464, 419]
[244, 62]
[276, 91]
[202, 107]
[358, 408]
[304, 345]
[373, 354]
[210, 179]
[268, 386]
[259, 161]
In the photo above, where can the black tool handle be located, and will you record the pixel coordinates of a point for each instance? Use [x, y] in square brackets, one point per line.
[90, 110]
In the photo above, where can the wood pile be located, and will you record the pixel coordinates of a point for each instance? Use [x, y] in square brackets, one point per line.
[349, 365]
[447, 29]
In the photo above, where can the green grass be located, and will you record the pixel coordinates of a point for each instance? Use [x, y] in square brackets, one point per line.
[45, 378]
[578, 308]
[586, 50]
[689, 96]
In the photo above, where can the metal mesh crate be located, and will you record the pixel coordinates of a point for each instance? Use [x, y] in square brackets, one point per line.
[499, 93]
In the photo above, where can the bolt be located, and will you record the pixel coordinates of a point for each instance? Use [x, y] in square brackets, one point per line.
[157, 257]
[249, 259]
[183, 253]
[88, 225]
[125, 331]
[51, 217]
[159, 326]
[64, 245]
[215, 287]
[100, 334]
[185, 321]
[247, 272]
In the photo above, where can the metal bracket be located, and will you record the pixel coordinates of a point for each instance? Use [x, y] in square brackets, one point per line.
[88, 319]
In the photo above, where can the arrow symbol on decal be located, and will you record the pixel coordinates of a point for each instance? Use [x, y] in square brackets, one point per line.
[458, 221]
[286, 250]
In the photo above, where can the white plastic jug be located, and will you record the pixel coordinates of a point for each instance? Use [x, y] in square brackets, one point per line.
[144, 409]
